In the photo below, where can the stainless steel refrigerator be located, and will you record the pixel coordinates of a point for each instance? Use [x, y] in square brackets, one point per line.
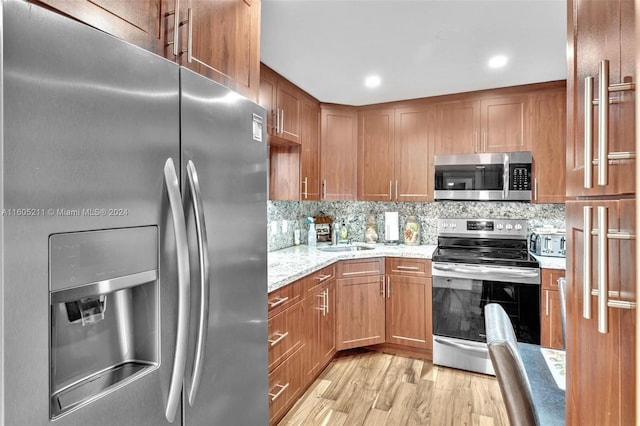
[132, 236]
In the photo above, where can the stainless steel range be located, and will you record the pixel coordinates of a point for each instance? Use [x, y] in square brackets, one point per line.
[480, 261]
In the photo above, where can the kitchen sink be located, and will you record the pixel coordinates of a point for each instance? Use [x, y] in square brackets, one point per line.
[345, 248]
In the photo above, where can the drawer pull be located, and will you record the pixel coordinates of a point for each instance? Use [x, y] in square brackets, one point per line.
[408, 268]
[275, 396]
[322, 278]
[279, 339]
[346, 274]
[280, 301]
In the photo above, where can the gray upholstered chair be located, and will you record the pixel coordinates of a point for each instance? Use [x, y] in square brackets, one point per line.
[507, 363]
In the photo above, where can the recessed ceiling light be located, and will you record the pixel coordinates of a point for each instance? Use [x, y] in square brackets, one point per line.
[498, 61]
[372, 81]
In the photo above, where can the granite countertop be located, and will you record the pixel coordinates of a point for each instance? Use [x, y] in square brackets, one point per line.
[289, 264]
[551, 262]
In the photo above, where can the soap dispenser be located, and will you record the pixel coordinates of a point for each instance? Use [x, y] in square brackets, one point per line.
[312, 236]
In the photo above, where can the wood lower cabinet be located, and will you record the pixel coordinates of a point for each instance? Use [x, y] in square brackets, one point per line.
[360, 303]
[408, 304]
[285, 348]
[286, 384]
[338, 152]
[320, 325]
[601, 364]
[551, 322]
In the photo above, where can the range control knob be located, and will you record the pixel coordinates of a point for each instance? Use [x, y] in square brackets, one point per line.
[500, 226]
[453, 225]
[509, 226]
[445, 225]
[518, 227]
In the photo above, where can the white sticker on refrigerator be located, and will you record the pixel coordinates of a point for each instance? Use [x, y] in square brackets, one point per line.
[257, 128]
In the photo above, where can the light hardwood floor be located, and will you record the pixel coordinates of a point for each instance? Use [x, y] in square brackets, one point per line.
[373, 388]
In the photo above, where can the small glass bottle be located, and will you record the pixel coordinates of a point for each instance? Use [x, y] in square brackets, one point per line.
[412, 231]
[371, 230]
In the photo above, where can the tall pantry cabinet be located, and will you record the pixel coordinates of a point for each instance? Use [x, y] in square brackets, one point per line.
[601, 228]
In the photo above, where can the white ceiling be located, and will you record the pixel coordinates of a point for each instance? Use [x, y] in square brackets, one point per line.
[419, 48]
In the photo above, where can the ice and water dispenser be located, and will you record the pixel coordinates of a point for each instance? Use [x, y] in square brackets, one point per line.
[104, 306]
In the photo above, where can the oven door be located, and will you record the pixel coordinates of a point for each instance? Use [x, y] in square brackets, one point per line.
[460, 292]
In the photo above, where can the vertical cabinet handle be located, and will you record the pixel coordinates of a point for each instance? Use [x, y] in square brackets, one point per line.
[603, 269]
[588, 132]
[390, 193]
[396, 190]
[535, 189]
[326, 301]
[324, 189]
[182, 254]
[546, 298]
[382, 287]
[282, 121]
[586, 263]
[388, 287]
[306, 188]
[603, 124]
[176, 28]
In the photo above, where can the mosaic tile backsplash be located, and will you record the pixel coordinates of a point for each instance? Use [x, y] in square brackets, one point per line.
[354, 214]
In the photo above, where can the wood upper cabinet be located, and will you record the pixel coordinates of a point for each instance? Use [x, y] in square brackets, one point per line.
[504, 124]
[394, 147]
[360, 303]
[495, 124]
[603, 30]
[413, 154]
[282, 101]
[457, 125]
[408, 304]
[309, 150]
[548, 135]
[375, 155]
[141, 22]
[338, 152]
[221, 40]
[551, 322]
[601, 365]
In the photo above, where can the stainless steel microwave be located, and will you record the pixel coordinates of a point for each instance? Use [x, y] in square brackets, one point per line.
[504, 176]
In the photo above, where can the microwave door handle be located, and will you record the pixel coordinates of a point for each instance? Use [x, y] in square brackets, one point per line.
[505, 177]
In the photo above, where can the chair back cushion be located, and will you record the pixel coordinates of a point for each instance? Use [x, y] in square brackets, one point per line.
[507, 363]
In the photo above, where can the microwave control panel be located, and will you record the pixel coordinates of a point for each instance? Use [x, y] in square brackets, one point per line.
[520, 178]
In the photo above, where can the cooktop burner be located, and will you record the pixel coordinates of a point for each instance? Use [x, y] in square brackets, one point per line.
[487, 241]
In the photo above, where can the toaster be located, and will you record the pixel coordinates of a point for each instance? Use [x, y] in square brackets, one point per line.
[548, 244]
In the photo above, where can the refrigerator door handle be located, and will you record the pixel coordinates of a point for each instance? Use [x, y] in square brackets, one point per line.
[203, 261]
[182, 253]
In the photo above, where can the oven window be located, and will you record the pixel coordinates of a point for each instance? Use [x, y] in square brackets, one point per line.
[458, 307]
[469, 177]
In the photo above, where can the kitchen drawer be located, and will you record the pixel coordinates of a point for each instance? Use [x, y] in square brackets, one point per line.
[280, 299]
[319, 278]
[285, 384]
[360, 267]
[408, 266]
[549, 278]
[285, 334]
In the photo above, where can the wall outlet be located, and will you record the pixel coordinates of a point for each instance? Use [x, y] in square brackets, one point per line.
[274, 227]
[284, 226]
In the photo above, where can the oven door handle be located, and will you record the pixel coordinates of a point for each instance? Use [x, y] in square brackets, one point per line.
[476, 270]
[482, 351]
